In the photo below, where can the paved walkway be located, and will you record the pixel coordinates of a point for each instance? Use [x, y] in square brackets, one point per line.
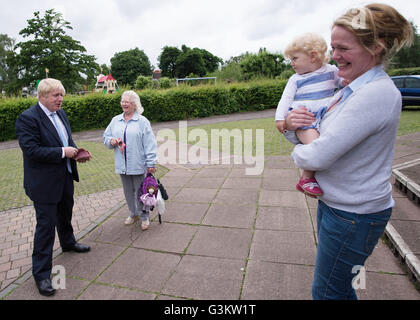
[225, 235]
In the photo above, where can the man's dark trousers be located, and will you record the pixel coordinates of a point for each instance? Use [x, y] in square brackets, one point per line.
[48, 216]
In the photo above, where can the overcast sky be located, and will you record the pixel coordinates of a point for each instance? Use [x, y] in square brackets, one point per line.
[226, 28]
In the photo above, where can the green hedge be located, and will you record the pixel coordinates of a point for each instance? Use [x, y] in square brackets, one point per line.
[184, 102]
[404, 71]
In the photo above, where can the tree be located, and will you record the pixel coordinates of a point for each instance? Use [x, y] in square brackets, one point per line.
[167, 61]
[52, 50]
[211, 62]
[263, 64]
[190, 61]
[180, 63]
[126, 66]
[143, 82]
[104, 69]
[7, 70]
[408, 57]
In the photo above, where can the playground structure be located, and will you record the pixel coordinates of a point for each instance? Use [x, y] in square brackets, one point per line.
[106, 84]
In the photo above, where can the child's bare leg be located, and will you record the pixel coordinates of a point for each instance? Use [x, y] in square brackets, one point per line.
[307, 174]
[307, 136]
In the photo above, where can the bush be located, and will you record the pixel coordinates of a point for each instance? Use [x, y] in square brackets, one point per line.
[404, 71]
[166, 83]
[286, 74]
[95, 111]
[143, 82]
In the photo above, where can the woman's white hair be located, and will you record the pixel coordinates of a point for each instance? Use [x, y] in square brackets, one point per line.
[134, 97]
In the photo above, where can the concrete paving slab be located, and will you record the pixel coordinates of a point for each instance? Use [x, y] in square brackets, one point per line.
[248, 182]
[383, 260]
[122, 213]
[411, 233]
[141, 269]
[206, 278]
[172, 191]
[209, 172]
[97, 291]
[381, 286]
[195, 195]
[191, 213]
[29, 291]
[274, 198]
[405, 210]
[280, 184]
[278, 174]
[174, 181]
[404, 159]
[221, 242]
[180, 172]
[284, 219]
[208, 183]
[241, 172]
[277, 281]
[284, 247]
[168, 237]
[238, 196]
[278, 162]
[90, 264]
[116, 232]
[231, 216]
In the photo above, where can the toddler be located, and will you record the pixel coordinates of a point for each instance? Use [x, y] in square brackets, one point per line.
[311, 87]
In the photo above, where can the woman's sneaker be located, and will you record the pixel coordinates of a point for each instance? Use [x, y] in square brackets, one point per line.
[130, 220]
[145, 224]
[309, 187]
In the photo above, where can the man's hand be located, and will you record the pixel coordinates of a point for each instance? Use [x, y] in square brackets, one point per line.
[70, 152]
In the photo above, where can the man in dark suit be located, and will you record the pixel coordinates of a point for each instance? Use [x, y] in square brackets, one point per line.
[44, 136]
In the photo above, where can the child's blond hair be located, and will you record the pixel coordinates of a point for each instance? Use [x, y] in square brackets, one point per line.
[309, 43]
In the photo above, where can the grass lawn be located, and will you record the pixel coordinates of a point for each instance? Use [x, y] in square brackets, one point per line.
[410, 121]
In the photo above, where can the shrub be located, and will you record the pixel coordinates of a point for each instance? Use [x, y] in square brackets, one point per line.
[95, 111]
[166, 83]
[404, 71]
[143, 82]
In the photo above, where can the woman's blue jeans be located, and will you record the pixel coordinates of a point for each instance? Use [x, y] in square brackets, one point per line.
[345, 241]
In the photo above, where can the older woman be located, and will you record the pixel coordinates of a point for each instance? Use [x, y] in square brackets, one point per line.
[353, 155]
[135, 149]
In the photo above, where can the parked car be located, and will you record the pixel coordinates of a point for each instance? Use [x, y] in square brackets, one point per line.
[409, 87]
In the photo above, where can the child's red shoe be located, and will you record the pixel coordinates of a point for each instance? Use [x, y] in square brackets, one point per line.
[310, 187]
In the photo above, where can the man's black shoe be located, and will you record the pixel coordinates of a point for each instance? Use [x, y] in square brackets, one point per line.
[45, 287]
[77, 247]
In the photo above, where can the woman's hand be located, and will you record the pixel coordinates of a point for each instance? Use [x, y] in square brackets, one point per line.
[299, 118]
[113, 142]
[151, 170]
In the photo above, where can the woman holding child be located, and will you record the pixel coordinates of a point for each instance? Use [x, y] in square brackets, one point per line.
[352, 157]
